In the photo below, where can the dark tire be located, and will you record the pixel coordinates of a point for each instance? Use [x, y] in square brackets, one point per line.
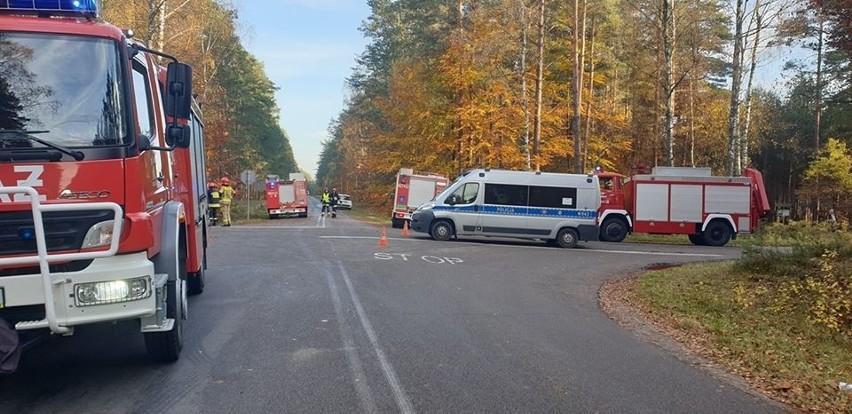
[195, 283]
[441, 230]
[166, 346]
[397, 223]
[718, 233]
[567, 238]
[697, 239]
[613, 229]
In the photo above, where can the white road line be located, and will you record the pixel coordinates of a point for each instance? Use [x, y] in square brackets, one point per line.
[537, 247]
[357, 371]
[274, 227]
[398, 393]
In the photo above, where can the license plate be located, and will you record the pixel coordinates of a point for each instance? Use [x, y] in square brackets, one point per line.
[2, 298]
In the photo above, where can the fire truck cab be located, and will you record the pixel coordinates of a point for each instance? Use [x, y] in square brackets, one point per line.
[101, 178]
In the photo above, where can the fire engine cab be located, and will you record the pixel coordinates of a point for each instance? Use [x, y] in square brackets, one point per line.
[101, 178]
[681, 200]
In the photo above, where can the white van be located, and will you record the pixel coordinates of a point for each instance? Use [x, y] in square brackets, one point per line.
[558, 208]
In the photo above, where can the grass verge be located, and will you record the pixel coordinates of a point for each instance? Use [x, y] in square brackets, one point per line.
[779, 319]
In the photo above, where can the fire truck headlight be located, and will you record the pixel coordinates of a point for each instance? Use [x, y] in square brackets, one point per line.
[113, 291]
[98, 235]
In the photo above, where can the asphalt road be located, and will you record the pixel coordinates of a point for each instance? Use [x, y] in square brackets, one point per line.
[311, 315]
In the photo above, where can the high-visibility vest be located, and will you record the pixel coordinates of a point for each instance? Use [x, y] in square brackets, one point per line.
[213, 198]
[227, 193]
[326, 198]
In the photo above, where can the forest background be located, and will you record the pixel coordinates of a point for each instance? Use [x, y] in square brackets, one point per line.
[564, 86]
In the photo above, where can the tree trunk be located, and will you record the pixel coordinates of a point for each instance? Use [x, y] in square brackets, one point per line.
[579, 45]
[589, 99]
[668, 78]
[736, 80]
[758, 26]
[691, 120]
[524, 100]
[539, 81]
[818, 103]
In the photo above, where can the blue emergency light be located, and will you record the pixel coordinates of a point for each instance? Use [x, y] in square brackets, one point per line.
[84, 8]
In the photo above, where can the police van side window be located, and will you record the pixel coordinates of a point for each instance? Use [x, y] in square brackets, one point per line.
[555, 197]
[505, 194]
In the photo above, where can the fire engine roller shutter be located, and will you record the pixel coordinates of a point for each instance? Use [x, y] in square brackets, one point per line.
[652, 202]
[730, 199]
[683, 203]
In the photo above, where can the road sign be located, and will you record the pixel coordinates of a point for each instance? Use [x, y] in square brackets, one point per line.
[248, 177]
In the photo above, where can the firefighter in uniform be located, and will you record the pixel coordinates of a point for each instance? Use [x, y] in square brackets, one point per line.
[227, 193]
[335, 199]
[326, 201]
[213, 198]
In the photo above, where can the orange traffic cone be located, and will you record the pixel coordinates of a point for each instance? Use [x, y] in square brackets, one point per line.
[383, 239]
[405, 231]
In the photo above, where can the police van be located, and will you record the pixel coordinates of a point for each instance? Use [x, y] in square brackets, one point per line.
[559, 208]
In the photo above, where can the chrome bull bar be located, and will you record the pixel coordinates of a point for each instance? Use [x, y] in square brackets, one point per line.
[44, 259]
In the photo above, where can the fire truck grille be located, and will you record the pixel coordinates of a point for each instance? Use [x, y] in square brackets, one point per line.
[64, 230]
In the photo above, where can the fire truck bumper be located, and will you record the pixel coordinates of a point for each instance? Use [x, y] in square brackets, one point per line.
[109, 289]
[289, 210]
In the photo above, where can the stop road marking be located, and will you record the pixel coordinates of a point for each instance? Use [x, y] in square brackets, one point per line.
[428, 259]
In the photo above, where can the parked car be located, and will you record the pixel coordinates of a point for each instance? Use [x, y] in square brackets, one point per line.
[345, 201]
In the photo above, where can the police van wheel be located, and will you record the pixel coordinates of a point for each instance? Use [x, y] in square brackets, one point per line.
[567, 237]
[397, 223]
[441, 231]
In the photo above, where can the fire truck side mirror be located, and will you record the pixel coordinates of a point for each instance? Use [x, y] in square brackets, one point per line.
[177, 136]
[178, 90]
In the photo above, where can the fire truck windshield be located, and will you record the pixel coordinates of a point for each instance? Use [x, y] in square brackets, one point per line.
[52, 83]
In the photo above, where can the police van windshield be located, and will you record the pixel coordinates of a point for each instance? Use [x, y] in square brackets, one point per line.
[48, 83]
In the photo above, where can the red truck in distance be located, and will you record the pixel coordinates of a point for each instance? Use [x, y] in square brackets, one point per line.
[681, 200]
[413, 189]
[287, 197]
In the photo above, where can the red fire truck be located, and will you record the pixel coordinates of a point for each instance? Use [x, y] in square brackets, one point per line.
[678, 200]
[102, 179]
[287, 197]
[412, 190]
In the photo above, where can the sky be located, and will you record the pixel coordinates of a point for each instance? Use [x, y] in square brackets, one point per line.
[308, 48]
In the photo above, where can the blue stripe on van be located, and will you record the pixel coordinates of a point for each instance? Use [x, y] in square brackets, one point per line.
[523, 211]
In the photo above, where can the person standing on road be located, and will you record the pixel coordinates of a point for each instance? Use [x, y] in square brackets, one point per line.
[213, 205]
[326, 201]
[227, 194]
[335, 199]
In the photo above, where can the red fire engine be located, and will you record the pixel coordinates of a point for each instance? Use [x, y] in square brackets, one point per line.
[102, 194]
[412, 190]
[287, 197]
[679, 200]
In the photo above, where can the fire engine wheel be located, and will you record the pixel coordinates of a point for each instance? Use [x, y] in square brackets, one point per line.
[567, 238]
[397, 223]
[717, 233]
[613, 230]
[195, 284]
[441, 230]
[697, 239]
[166, 346]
